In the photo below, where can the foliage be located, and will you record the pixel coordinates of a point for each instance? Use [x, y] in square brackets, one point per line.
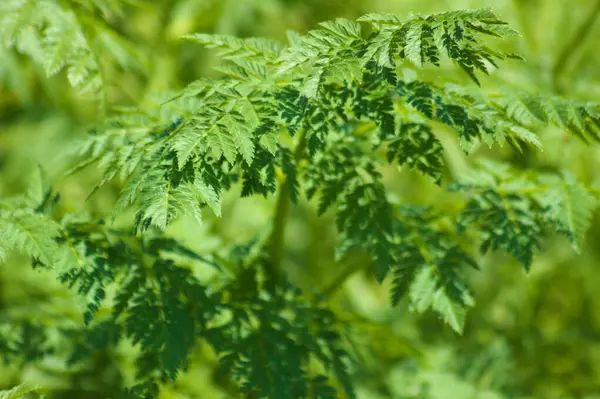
[18, 392]
[323, 116]
[69, 35]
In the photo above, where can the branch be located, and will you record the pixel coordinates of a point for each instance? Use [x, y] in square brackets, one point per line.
[353, 262]
[276, 239]
[282, 206]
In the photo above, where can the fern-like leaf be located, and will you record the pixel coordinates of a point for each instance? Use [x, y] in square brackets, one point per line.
[19, 391]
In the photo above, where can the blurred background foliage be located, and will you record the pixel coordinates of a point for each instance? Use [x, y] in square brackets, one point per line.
[530, 336]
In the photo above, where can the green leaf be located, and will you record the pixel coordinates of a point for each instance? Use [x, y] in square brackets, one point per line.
[156, 200]
[417, 147]
[413, 47]
[526, 136]
[235, 48]
[207, 195]
[571, 205]
[423, 289]
[191, 139]
[178, 335]
[31, 234]
[389, 19]
[451, 312]
[19, 391]
[382, 49]
[231, 135]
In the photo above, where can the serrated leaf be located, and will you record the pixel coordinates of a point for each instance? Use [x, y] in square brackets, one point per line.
[423, 289]
[178, 335]
[452, 313]
[571, 205]
[527, 136]
[128, 194]
[19, 391]
[413, 47]
[189, 140]
[230, 136]
[269, 141]
[381, 49]
[208, 196]
[390, 19]
[311, 85]
[31, 234]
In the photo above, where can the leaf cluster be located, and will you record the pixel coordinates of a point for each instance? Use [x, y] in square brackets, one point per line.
[322, 117]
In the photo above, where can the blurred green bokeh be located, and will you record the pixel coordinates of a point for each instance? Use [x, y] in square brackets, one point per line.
[529, 336]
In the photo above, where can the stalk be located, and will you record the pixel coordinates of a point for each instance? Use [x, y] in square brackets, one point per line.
[282, 207]
[353, 262]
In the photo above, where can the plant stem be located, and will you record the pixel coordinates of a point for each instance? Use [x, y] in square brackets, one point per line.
[576, 41]
[276, 240]
[350, 264]
[282, 206]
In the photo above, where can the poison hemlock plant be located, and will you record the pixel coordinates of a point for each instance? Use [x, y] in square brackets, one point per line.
[71, 35]
[317, 119]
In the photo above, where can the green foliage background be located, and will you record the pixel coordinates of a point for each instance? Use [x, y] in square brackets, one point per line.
[534, 335]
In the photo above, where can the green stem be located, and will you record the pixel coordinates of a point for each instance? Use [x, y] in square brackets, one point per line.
[353, 262]
[276, 239]
[576, 41]
[282, 206]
